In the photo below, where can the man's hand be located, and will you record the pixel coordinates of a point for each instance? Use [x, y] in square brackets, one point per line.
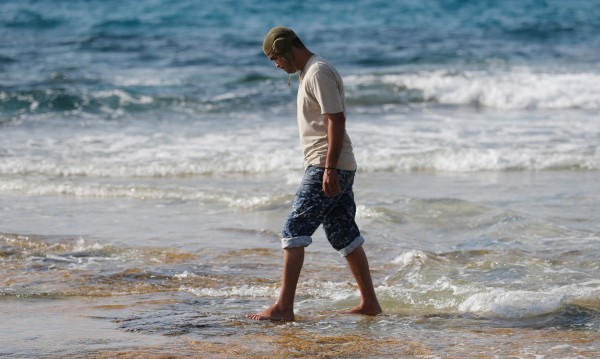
[331, 183]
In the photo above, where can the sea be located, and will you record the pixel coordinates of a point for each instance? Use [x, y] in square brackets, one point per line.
[149, 155]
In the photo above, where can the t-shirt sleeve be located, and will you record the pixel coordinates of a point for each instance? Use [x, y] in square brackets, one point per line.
[326, 91]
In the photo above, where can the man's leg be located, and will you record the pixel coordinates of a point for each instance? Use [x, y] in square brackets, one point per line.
[283, 309]
[359, 266]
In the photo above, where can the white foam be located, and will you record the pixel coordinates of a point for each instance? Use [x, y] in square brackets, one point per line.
[512, 304]
[335, 291]
[181, 163]
[124, 97]
[439, 295]
[420, 281]
[363, 211]
[428, 142]
[521, 303]
[410, 270]
[410, 258]
[81, 245]
[148, 77]
[242, 291]
[463, 160]
[492, 302]
[157, 155]
[477, 142]
[185, 275]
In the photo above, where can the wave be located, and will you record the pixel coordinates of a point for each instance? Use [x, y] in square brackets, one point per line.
[126, 99]
[424, 282]
[518, 304]
[263, 162]
[519, 88]
[98, 102]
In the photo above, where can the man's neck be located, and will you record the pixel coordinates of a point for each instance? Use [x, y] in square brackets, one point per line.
[301, 57]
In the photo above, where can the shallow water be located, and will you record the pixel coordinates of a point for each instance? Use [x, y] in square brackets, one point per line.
[491, 272]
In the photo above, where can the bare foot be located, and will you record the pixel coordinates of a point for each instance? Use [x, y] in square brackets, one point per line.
[365, 309]
[275, 313]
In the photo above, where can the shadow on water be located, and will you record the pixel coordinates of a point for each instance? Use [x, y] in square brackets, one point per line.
[198, 318]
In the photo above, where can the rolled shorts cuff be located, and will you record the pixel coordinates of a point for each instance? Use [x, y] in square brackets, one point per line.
[357, 242]
[296, 242]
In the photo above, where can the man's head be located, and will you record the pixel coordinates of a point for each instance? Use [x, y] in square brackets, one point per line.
[277, 45]
[278, 41]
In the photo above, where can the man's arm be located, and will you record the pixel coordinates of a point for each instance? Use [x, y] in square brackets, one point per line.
[336, 130]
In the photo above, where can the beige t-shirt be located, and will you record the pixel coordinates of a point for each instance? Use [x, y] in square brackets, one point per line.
[321, 91]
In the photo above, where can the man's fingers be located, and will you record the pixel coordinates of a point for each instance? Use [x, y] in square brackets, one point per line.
[331, 185]
[326, 188]
[332, 188]
[329, 191]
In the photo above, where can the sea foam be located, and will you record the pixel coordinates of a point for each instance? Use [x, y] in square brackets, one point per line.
[521, 303]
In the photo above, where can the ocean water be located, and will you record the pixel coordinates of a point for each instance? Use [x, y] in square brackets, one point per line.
[149, 155]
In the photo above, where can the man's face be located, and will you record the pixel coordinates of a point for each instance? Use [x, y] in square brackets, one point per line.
[282, 63]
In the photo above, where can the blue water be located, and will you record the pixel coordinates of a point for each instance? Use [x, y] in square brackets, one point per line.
[149, 154]
[57, 55]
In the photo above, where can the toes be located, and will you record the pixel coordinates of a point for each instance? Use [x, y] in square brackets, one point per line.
[255, 317]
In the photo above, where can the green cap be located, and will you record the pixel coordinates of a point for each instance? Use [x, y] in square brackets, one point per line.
[279, 41]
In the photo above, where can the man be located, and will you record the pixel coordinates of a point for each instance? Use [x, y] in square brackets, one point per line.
[325, 195]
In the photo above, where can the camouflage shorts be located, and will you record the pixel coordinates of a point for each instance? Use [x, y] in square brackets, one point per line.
[312, 208]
